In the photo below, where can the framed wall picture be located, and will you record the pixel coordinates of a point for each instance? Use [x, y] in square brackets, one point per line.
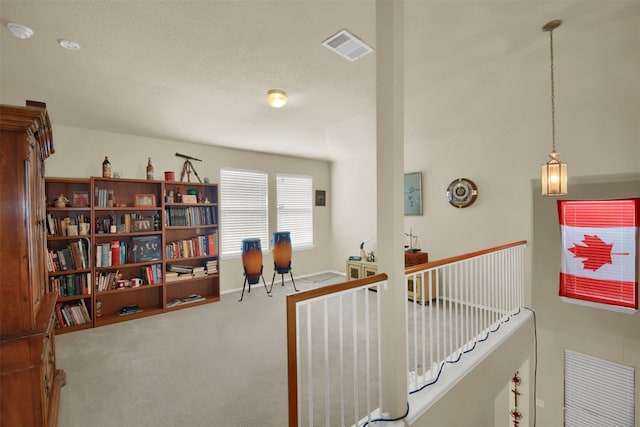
[80, 199]
[143, 224]
[146, 248]
[144, 200]
[321, 198]
[413, 193]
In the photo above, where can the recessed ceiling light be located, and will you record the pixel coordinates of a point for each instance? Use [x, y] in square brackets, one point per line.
[68, 44]
[20, 31]
[277, 98]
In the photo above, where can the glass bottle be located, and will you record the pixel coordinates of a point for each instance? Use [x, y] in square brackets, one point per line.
[106, 167]
[149, 169]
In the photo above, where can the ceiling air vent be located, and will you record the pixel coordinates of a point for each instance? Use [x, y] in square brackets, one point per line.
[347, 45]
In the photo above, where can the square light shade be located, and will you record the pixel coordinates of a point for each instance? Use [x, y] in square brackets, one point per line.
[554, 177]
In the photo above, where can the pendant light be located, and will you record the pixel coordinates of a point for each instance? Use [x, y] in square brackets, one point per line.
[554, 172]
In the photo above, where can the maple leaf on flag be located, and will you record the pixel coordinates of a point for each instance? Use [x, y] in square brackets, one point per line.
[596, 252]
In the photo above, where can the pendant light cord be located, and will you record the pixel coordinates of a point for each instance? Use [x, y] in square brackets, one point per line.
[553, 98]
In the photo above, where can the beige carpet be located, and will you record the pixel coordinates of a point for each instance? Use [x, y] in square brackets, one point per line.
[221, 364]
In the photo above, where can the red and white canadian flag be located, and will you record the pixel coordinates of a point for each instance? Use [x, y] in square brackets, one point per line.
[600, 251]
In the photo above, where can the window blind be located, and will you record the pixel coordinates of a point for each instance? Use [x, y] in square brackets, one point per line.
[295, 208]
[597, 393]
[243, 209]
[599, 256]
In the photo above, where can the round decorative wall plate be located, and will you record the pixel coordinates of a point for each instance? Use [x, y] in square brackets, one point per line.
[462, 192]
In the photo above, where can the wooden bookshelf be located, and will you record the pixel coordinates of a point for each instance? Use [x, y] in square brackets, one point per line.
[69, 260]
[136, 236]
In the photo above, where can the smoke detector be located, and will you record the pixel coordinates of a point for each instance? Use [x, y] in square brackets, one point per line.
[347, 45]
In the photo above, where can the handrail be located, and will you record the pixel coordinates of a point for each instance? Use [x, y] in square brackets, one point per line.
[457, 258]
[292, 357]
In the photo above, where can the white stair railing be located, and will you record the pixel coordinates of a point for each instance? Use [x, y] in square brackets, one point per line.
[333, 333]
[454, 304]
[333, 336]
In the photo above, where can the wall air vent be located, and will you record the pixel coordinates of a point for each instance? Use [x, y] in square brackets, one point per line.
[347, 45]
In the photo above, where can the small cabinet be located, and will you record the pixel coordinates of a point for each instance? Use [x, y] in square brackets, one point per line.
[359, 269]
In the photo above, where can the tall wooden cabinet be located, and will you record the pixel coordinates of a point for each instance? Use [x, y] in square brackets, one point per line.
[30, 384]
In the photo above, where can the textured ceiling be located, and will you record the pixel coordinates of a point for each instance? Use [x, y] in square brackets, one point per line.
[198, 71]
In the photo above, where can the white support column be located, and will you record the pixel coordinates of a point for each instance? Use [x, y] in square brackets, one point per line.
[390, 178]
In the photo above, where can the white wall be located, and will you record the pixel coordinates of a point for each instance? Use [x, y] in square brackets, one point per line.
[80, 152]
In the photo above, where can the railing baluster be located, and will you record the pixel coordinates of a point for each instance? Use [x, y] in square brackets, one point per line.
[325, 322]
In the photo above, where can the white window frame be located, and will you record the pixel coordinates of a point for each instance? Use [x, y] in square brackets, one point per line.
[244, 209]
[294, 207]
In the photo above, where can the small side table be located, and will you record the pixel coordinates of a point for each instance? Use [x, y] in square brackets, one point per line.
[415, 258]
[415, 290]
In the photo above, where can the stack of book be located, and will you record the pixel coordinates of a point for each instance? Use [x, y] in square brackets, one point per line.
[199, 272]
[211, 266]
[171, 276]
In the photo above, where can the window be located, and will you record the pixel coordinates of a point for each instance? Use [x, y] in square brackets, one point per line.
[599, 255]
[243, 209]
[295, 208]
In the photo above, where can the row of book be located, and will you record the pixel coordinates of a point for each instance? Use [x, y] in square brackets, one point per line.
[71, 284]
[67, 226]
[204, 245]
[152, 274]
[190, 215]
[70, 314]
[106, 280]
[104, 198]
[111, 253]
[75, 256]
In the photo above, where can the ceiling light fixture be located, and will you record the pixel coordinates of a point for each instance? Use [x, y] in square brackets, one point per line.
[277, 98]
[554, 172]
[68, 44]
[20, 31]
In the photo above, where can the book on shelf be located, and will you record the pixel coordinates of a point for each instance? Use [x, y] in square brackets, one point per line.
[71, 284]
[190, 216]
[128, 310]
[71, 314]
[186, 300]
[65, 226]
[199, 271]
[204, 245]
[152, 274]
[180, 268]
[106, 280]
[172, 276]
[211, 266]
